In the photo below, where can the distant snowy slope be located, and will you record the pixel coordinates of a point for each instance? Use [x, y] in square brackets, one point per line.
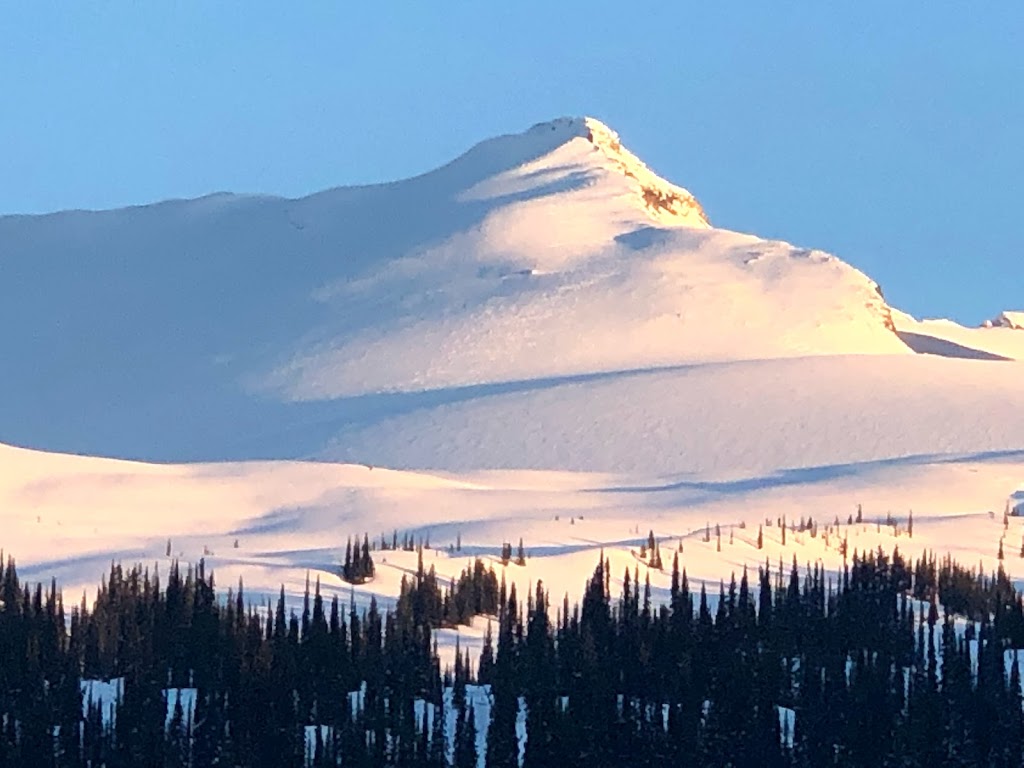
[1010, 319]
[239, 327]
[949, 339]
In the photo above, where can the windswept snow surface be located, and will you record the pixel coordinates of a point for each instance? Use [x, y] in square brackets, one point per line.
[541, 339]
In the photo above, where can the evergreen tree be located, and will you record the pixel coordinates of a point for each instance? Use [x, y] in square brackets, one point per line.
[502, 740]
[539, 678]
[642, 684]
[465, 755]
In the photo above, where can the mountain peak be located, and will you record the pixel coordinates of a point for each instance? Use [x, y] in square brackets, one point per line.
[580, 151]
[664, 201]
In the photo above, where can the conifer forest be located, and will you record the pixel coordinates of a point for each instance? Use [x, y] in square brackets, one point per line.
[888, 663]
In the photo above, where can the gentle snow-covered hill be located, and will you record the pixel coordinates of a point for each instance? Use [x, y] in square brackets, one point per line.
[275, 523]
[542, 339]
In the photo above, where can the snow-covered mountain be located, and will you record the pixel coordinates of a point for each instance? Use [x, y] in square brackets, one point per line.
[542, 339]
[233, 327]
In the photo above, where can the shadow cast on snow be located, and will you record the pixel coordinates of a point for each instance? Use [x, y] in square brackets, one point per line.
[923, 344]
[802, 475]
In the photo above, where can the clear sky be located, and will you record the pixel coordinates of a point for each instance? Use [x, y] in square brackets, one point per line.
[889, 133]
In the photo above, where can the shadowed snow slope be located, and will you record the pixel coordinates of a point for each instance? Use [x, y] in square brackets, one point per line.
[541, 339]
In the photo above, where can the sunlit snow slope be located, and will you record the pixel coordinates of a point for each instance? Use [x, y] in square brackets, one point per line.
[277, 523]
[542, 339]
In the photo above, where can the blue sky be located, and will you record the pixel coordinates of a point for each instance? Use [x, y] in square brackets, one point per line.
[887, 133]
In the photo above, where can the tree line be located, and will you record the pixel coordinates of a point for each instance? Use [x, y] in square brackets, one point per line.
[869, 662]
